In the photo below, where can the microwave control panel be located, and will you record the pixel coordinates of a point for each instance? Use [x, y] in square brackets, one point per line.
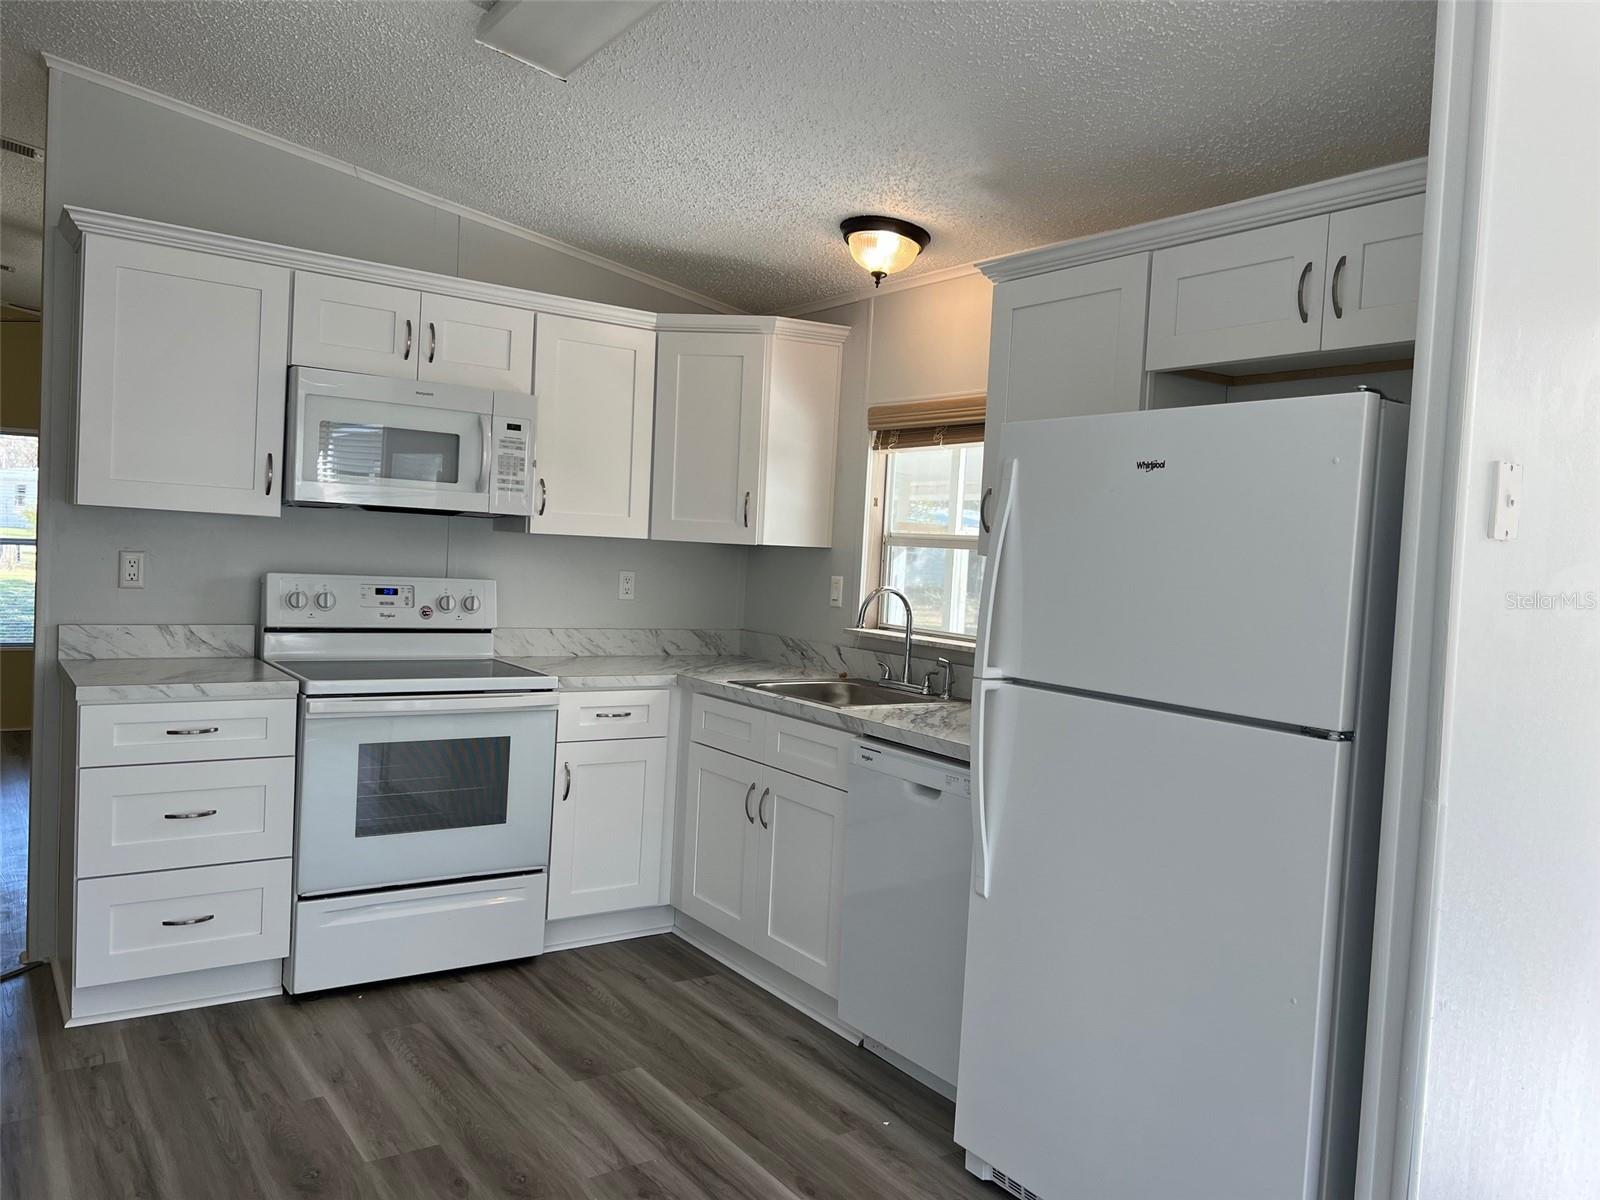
[512, 455]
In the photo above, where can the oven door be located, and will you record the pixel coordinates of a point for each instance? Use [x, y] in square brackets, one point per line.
[388, 443]
[397, 790]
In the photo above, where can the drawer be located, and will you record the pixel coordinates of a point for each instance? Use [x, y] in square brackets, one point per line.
[736, 728]
[810, 751]
[599, 716]
[413, 931]
[168, 922]
[111, 735]
[167, 815]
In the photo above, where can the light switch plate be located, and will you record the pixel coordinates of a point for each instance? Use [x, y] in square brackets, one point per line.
[836, 591]
[625, 585]
[130, 569]
[1507, 500]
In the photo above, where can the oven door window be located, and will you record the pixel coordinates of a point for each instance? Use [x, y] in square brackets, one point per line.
[426, 786]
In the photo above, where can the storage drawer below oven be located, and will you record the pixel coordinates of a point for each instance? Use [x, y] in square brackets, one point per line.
[413, 931]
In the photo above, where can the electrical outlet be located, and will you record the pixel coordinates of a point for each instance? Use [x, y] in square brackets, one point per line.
[130, 569]
[625, 585]
[836, 591]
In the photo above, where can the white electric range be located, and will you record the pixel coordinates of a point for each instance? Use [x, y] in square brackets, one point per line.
[425, 776]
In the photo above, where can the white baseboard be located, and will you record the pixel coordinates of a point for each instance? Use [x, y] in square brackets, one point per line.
[572, 932]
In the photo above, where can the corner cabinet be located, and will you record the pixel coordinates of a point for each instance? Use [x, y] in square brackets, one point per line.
[1069, 343]
[594, 389]
[747, 412]
[181, 364]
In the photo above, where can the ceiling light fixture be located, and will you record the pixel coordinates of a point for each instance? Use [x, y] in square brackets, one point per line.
[883, 245]
[558, 36]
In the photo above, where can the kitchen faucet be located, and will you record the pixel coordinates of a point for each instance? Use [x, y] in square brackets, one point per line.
[904, 682]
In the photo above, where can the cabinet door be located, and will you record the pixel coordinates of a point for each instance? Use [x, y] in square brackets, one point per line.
[709, 391]
[1064, 344]
[478, 344]
[1374, 274]
[595, 389]
[353, 325]
[605, 836]
[1251, 295]
[800, 877]
[719, 842]
[183, 361]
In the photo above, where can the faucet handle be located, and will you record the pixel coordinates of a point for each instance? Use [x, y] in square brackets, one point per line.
[884, 671]
[945, 670]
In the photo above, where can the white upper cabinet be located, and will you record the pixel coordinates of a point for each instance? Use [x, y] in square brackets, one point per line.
[1375, 274]
[476, 343]
[353, 325]
[379, 329]
[747, 416]
[594, 385]
[182, 366]
[1064, 344]
[1250, 295]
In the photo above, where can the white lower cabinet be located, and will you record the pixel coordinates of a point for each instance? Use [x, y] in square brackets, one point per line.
[607, 826]
[763, 854]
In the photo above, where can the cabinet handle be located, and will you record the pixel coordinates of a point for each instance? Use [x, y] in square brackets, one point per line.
[761, 808]
[539, 512]
[983, 510]
[1300, 294]
[269, 473]
[433, 337]
[747, 510]
[1333, 292]
[747, 796]
[190, 816]
[566, 788]
[192, 732]
[405, 355]
[192, 920]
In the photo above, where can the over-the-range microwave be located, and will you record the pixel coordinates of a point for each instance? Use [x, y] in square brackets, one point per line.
[369, 442]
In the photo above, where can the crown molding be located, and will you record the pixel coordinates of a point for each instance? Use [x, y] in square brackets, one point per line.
[1313, 199]
[183, 107]
[804, 331]
[78, 222]
[902, 283]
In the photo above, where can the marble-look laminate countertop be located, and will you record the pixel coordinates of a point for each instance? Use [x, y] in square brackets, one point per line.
[131, 680]
[940, 727]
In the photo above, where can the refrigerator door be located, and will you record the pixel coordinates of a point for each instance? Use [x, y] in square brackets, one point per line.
[1148, 985]
[1211, 558]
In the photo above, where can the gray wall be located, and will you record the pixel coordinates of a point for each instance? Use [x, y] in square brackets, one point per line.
[111, 151]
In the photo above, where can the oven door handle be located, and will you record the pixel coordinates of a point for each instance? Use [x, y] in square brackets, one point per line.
[425, 705]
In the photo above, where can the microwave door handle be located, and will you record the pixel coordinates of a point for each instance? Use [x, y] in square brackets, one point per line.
[483, 467]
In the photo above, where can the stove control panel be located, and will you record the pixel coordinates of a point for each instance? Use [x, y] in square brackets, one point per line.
[291, 601]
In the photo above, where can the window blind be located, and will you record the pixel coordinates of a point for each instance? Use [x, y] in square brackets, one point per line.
[952, 421]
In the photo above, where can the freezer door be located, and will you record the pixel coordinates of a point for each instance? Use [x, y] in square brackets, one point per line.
[1211, 558]
[1149, 981]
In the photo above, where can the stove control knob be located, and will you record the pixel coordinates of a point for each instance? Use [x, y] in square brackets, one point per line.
[445, 603]
[471, 603]
[296, 599]
[326, 599]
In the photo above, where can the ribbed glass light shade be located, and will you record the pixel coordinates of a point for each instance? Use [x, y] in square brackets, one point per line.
[883, 245]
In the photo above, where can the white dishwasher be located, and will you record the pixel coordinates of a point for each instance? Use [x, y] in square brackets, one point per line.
[903, 923]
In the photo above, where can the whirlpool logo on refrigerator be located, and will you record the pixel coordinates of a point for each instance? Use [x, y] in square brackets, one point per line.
[1151, 464]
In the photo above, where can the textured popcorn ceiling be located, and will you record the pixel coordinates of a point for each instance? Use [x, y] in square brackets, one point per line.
[719, 144]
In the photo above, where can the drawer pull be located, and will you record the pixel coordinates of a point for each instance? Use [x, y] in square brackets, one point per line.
[192, 732]
[613, 716]
[192, 920]
[189, 816]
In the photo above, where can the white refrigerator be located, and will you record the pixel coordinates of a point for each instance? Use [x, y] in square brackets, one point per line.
[1178, 728]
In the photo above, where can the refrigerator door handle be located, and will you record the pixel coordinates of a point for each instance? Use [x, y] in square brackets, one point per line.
[991, 573]
[982, 857]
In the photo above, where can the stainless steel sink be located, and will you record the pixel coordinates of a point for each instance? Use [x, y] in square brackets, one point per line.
[839, 693]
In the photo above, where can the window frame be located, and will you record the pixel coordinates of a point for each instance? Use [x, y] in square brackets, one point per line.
[878, 539]
[9, 540]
